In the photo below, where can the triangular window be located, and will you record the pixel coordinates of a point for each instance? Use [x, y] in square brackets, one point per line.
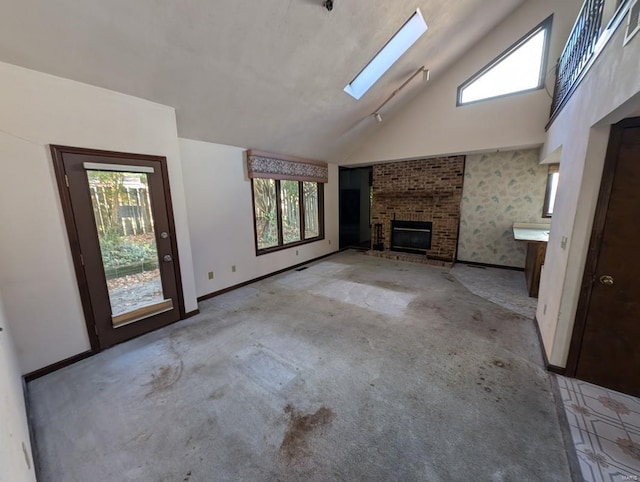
[520, 68]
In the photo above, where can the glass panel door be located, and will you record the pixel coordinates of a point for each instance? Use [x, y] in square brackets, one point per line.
[119, 220]
[125, 226]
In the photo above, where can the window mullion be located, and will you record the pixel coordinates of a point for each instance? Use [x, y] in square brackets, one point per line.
[301, 208]
[279, 213]
[320, 208]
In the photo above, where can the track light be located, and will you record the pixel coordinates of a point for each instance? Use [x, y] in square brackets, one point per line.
[425, 77]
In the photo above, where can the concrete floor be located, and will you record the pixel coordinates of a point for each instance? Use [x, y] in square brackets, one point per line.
[357, 368]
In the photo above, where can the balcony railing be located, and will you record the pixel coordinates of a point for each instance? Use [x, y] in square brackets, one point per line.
[578, 51]
[596, 24]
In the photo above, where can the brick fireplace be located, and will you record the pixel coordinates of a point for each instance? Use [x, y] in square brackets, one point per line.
[422, 190]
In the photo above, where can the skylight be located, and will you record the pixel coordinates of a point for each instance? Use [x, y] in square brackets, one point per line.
[404, 38]
[519, 69]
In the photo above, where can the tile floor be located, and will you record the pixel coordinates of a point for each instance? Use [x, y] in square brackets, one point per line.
[605, 426]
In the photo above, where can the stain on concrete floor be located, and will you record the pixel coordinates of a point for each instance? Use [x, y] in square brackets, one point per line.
[295, 443]
[164, 377]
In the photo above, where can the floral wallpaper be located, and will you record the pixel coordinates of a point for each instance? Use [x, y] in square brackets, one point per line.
[499, 189]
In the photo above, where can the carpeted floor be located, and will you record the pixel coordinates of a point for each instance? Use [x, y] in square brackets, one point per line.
[357, 368]
[505, 287]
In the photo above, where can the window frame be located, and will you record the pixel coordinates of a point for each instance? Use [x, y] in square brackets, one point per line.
[281, 245]
[545, 25]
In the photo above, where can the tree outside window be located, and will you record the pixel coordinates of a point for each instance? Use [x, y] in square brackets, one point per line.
[287, 213]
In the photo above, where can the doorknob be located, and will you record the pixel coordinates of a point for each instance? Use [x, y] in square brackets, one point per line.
[167, 258]
[606, 280]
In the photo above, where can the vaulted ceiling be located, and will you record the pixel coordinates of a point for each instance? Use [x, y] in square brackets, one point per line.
[257, 74]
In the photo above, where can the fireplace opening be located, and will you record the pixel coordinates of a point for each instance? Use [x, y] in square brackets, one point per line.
[411, 236]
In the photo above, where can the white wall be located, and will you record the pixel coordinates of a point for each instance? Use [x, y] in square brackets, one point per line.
[16, 460]
[37, 277]
[609, 93]
[220, 213]
[432, 125]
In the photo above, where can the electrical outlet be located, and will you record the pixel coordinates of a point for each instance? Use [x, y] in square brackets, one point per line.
[563, 242]
[329, 241]
[210, 274]
[233, 268]
[296, 252]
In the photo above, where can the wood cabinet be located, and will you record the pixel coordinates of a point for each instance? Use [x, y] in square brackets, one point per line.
[536, 251]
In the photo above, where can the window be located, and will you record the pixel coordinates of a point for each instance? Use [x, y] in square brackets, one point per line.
[520, 68]
[552, 190]
[287, 213]
[403, 39]
[633, 22]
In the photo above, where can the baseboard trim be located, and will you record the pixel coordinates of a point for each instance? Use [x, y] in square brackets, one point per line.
[260, 278]
[545, 360]
[556, 369]
[488, 265]
[35, 459]
[191, 313]
[80, 356]
[58, 365]
[551, 368]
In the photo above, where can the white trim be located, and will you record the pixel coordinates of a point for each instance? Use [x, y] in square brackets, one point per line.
[97, 166]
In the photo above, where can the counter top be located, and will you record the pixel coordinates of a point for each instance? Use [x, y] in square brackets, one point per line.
[531, 232]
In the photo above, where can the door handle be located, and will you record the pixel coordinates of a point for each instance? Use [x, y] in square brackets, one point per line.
[606, 280]
[168, 258]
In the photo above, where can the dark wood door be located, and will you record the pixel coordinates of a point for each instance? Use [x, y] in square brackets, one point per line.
[119, 219]
[609, 351]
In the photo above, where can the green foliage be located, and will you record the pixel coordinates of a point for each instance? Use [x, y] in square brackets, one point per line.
[118, 250]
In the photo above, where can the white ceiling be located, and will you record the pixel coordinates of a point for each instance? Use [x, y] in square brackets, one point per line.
[256, 74]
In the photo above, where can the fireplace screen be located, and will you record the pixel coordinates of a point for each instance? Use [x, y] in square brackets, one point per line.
[411, 236]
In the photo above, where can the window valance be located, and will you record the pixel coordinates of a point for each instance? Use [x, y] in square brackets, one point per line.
[274, 166]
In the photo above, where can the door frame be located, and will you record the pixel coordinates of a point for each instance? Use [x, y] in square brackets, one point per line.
[57, 152]
[595, 243]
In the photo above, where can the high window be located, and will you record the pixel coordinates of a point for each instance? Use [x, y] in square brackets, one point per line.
[552, 190]
[288, 200]
[520, 68]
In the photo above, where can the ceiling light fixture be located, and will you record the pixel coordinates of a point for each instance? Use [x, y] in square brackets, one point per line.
[425, 76]
[404, 38]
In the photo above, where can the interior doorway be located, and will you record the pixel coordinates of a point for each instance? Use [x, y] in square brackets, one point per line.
[355, 207]
[119, 220]
[604, 348]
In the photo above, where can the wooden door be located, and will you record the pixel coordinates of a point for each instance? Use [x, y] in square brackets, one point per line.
[605, 349]
[120, 225]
